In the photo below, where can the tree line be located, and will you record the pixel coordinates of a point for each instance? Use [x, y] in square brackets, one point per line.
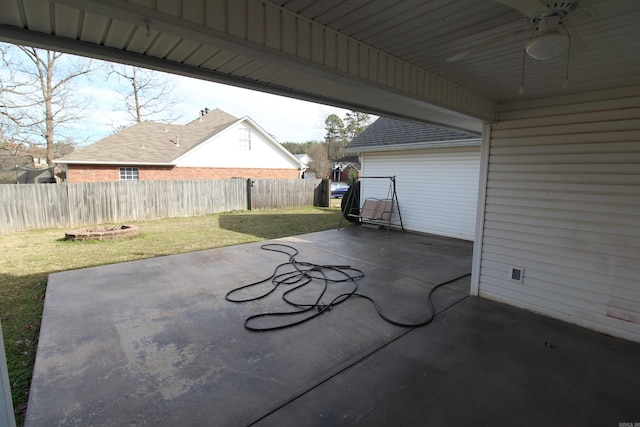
[338, 133]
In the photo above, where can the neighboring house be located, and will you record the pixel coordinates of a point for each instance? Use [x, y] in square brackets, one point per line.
[306, 159]
[24, 169]
[344, 168]
[216, 145]
[436, 174]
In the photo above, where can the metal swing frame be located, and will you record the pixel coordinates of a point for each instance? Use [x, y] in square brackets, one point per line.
[375, 211]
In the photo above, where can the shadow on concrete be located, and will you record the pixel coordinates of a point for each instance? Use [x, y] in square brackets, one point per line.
[155, 342]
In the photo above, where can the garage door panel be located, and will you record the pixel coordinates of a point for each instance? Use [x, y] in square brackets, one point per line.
[437, 189]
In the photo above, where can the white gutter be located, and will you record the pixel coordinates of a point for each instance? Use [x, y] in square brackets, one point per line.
[415, 146]
[78, 162]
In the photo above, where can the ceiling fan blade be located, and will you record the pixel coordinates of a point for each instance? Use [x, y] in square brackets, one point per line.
[484, 45]
[589, 10]
[604, 8]
[526, 7]
[576, 46]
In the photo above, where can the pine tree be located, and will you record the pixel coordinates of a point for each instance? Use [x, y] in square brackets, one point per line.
[335, 136]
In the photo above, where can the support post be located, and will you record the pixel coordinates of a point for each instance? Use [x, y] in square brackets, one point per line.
[7, 418]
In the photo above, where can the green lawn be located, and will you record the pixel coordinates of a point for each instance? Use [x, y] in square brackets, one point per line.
[29, 257]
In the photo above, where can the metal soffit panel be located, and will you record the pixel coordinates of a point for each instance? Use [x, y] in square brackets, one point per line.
[379, 56]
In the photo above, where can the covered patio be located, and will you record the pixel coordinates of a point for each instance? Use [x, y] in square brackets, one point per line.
[154, 342]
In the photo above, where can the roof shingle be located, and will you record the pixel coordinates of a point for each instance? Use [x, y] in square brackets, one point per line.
[151, 142]
[393, 134]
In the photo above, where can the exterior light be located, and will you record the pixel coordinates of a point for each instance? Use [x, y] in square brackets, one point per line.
[547, 46]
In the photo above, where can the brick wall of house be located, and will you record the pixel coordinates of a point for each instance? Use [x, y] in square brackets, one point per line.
[99, 173]
[92, 173]
[345, 173]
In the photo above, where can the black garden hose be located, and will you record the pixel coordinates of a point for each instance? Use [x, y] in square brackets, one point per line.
[297, 274]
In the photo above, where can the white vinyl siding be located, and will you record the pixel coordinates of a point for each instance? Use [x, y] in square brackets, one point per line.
[437, 188]
[239, 146]
[244, 139]
[563, 202]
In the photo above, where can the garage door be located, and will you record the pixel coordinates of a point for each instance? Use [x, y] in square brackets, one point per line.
[437, 188]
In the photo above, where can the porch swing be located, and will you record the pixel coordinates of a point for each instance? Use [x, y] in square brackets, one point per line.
[373, 211]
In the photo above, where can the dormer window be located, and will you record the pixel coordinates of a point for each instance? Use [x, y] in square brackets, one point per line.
[244, 139]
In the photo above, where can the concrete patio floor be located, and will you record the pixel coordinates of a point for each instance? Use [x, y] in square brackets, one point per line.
[154, 342]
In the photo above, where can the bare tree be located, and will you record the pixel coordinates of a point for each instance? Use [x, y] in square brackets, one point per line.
[45, 99]
[14, 91]
[148, 95]
[320, 163]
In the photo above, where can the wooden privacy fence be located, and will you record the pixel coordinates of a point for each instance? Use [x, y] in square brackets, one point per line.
[286, 193]
[36, 206]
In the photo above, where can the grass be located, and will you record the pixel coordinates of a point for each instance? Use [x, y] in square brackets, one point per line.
[29, 257]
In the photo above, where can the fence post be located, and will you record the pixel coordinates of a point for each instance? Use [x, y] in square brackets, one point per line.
[322, 194]
[70, 222]
[249, 185]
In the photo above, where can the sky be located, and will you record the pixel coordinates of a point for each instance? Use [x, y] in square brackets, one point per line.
[286, 119]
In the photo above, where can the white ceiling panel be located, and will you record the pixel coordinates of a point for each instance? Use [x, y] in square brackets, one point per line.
[387, 55]
[118, 33]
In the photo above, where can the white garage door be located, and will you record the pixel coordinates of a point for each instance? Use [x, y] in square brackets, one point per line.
[437, 188]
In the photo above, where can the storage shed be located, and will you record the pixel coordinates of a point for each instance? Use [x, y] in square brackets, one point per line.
[436, 174]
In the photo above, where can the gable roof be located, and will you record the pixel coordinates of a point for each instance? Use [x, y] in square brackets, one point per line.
[246, 119]
[151, 143]
[304, 158]
[392, 134]
[342, 162]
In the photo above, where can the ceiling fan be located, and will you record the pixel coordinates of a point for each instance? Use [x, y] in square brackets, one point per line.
[547, 22]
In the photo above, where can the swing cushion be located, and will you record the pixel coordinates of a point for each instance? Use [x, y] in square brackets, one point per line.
[377, 209]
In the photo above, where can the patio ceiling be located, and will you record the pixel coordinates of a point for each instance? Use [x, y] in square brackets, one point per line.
[379, 56]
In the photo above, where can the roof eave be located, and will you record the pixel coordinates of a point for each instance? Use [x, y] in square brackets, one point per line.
[128, 163]
[279, 146]
[414, 146]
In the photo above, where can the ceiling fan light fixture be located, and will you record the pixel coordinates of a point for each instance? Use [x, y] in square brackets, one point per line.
[547, 46]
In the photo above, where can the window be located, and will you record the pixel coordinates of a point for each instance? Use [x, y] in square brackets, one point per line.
[245, 139]
[128, 174]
